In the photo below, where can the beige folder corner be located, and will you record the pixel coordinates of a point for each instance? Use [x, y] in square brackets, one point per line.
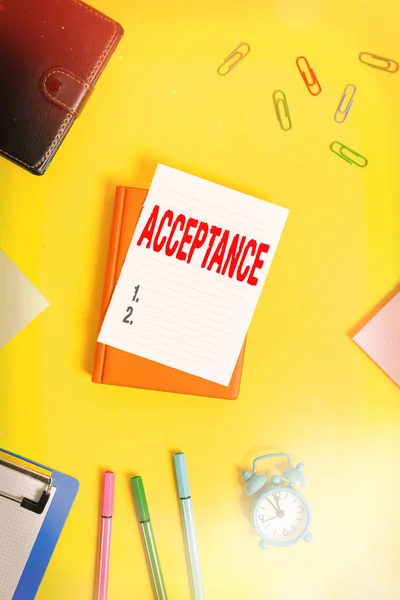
[20, 301]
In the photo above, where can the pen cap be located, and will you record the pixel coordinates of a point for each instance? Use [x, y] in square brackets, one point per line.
[140, 499]
[182, 478]
[108, 494]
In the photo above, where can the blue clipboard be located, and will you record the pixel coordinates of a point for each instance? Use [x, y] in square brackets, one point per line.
[66, 490]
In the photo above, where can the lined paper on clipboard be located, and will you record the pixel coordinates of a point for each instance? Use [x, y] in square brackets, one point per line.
[193, 274]
[19, 526]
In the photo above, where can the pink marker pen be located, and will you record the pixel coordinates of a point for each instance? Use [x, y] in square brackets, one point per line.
[106, 527]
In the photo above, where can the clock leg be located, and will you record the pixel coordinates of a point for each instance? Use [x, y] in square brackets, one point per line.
[308, 537]
[263, 544]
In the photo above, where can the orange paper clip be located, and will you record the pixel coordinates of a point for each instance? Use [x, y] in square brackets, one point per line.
[308, 76]
[383, 64]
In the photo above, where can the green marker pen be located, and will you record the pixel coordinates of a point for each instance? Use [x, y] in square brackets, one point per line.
[148, 536]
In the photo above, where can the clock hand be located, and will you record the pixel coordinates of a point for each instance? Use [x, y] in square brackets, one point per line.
[277, 501]
[273, 506]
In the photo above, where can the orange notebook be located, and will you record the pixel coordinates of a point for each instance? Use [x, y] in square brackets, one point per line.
[117, 367]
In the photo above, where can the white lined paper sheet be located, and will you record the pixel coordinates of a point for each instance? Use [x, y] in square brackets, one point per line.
[174, 310]
[19, 527]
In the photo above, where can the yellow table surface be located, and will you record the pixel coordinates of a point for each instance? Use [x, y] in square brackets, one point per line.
[307, 389]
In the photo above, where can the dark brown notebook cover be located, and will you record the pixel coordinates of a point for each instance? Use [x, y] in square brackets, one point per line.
[52, 53]
[116, 367]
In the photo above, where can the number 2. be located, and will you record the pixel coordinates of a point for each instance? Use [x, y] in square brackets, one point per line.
[129, 311]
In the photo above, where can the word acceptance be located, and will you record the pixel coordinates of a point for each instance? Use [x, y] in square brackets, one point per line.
[231, 253]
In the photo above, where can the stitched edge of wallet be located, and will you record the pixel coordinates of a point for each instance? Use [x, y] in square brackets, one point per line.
[92, 74]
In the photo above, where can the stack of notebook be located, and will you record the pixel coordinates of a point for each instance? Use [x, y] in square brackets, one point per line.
[186, 266]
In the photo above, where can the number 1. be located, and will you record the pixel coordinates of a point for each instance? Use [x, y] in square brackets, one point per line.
[136, 293]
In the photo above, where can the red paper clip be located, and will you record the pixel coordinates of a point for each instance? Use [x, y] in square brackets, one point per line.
[308, 72]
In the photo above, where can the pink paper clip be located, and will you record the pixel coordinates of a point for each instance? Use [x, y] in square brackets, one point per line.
[306, 73]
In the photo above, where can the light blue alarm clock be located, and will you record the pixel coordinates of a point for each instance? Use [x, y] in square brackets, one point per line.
[281, 515]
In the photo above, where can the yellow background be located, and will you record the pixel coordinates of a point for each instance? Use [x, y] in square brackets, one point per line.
[307, 389]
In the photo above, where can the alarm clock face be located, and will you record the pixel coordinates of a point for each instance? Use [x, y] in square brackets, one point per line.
[281, 516]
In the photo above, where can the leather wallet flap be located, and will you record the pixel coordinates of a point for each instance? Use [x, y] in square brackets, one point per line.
[66, 90]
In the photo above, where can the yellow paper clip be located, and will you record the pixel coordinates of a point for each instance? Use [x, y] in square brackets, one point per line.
[283, 115]
[384, 64]
[234, 59]
[352, 156]
[342, 113]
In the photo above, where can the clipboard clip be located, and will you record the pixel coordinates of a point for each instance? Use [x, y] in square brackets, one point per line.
[35, 506]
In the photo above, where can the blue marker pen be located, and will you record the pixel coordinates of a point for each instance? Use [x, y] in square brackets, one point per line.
[189, 526]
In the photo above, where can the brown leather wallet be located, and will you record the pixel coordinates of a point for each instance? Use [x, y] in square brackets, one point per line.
[52, 53]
